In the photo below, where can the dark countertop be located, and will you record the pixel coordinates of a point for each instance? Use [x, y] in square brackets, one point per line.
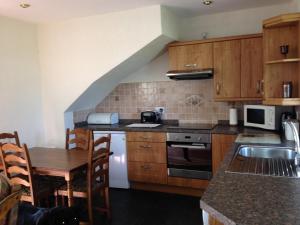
[218, 129]
[226, 129]
[252, 199]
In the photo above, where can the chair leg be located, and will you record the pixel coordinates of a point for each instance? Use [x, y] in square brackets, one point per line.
[107, 202]
[90, 211]
[63, 200]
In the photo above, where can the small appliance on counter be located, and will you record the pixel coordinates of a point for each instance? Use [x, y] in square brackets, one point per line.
[265, 117]
[150, 117]
[103, 118]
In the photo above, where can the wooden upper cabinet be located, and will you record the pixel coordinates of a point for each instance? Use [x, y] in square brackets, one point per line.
[192, 56]
[227, 69]
[251, 67]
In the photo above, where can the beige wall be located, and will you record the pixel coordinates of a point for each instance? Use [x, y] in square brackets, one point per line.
[75, 53]
[187, 101]
[20, 87]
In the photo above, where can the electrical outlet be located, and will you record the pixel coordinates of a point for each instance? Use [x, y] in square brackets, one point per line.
[161, 110]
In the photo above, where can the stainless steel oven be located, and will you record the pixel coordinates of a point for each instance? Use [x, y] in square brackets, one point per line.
[189, 155]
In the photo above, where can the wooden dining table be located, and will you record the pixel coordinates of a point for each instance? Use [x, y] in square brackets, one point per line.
[58, 162]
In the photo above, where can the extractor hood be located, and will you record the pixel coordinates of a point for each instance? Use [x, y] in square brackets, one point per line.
[196, 74]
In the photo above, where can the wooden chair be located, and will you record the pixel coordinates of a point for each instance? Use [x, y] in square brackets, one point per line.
[97, 179]
[9, 138]
[78, 139]
[17, 167]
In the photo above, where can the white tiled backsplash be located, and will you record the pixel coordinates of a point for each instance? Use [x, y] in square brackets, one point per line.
[187, 101]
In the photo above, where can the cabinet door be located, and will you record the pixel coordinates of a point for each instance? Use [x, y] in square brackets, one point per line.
[227, 66]
[221, 144]
[251, 67]
[196, 56]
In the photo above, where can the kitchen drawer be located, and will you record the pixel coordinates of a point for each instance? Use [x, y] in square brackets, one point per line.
[147, 172]
[146, 152]
[188, 182]
[146, 136]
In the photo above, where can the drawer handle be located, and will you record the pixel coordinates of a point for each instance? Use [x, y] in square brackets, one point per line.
[146, 167]
[145, 146]
[143, 137]
[191, 65]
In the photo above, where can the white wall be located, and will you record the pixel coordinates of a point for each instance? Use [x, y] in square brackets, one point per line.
[239, 22]
[75, 53]
[20, 84]
[154, 71]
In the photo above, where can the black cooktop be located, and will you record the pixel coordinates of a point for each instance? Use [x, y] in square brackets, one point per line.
[193, 126]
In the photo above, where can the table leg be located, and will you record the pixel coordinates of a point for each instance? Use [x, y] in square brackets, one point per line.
[68, 179]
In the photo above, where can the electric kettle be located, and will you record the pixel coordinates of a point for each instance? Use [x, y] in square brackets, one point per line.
[288, 133]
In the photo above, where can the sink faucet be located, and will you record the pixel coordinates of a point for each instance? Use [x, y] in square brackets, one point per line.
[296, 139]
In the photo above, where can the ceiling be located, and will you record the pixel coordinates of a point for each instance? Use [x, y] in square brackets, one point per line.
[42, 11]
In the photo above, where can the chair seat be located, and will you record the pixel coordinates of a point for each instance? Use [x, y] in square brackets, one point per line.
[79, 187]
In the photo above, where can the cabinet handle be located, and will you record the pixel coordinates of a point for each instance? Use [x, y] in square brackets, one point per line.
[258, 87]
[145, 146]
[261, 87]
[218, 88]
[191, 65]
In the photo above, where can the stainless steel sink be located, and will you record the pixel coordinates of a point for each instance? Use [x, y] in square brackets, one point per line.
[264, 160]
[267, 152]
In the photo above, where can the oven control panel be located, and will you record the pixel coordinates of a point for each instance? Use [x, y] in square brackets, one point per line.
[189, 137]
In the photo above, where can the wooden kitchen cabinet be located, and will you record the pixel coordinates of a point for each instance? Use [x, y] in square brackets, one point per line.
[251, 67]
[227, 69]
[278, 31]
[237, 62]
[191, 56]
[146, 154]
[221, 144]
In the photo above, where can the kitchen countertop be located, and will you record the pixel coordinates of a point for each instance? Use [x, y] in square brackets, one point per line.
[252, 199]
[218, 129]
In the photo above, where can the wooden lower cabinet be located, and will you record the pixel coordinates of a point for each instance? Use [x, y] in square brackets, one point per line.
[147, 166]
[147, 172]
[221, 144]
[146, 153]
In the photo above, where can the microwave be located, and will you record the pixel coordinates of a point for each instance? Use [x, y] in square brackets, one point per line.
[265, 117]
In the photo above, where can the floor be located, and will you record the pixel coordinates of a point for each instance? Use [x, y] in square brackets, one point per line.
[131, 207]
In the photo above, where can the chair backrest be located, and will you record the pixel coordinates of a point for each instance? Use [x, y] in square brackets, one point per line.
[78, 138]
[10, 138]
[98, 161]
[17, 167]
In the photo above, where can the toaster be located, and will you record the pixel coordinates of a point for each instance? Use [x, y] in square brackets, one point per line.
[150, 117]
[103, 118]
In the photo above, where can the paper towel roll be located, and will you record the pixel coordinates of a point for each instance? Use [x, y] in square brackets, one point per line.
[233, 116]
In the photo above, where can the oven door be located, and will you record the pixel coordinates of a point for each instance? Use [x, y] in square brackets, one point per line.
[190, 160]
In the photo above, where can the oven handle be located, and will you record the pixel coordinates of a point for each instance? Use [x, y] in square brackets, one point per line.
[189, 146]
